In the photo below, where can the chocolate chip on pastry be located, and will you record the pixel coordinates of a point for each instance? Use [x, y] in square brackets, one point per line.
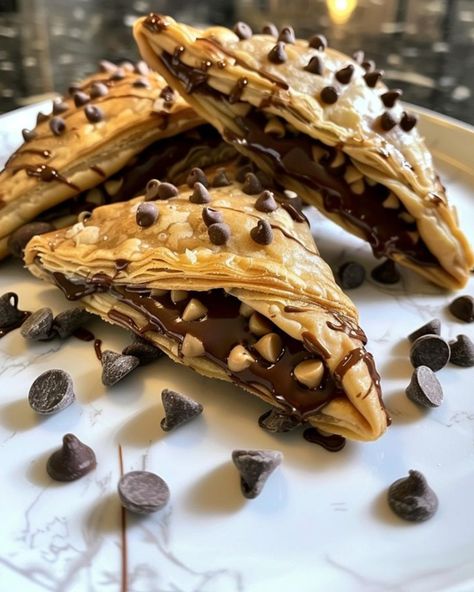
[385, 190]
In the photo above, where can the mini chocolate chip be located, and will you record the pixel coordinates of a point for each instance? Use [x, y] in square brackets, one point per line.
[93, 113]
[141, 83]
[318, 42]
[28, 135]
[151, 189]
[351, 275]
[242, 30]
[276, 421]
[142, 68]
[118, 74]
[147, 214]
[358, 56]
[200, 194]
[287, 35]
[387, 121]
[462, 351]
[255, 466]
[72, 461]
[368, 65]
[408, 121]
[211, 216]
[412, 499]
[371, 78]
[197, 175]
[242, 172]
[41, 117]
[262, 233]
[219, 233]
[98, 89]
[18, 240]
[344, 75]
[166, 191]
[143, 492]
[65, 323]
[81, 98]
[57, 125]
[266, 202]
[432, 327]
[106, 66]
[145, 351]
[430, 350]
[51, 392]
[463, 308]
[386, 273]
[251, 185]
[179, 409]
[277, 55]
[390, 97]
[116, 366]
[315, 65]
[59, 106]
[270, 29]
[221, 179]
[10, 316]
[39, 325]
[424, 388]
[329, 95]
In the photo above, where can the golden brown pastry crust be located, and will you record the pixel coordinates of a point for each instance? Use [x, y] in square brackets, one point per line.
[396, 159]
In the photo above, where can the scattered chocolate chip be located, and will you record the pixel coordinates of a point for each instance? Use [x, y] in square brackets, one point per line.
[59, 106]
[242, 172]
[69, 321]
[200, 194]
[344, 75]
[463, 308]
[430, 350]
[408, 121]
[116, 366]
[28, 135]
[329, 95]
[167, 191]
[424, 388]
[221, 179]
[41, 117]
[179, 409]
[211, 216]
[151, 189]
[266, 202]
[358, 56]
[51, 392]
[255, 466]
[21, 237]
[251, 185]
[351, 275]
[57, 125]
[287, 35]
[141, 83]
[72, 461]
[330, 442]
[432, 327]
[106, 66]
[142, 68]
[371, 78]
[81, 98]
[390, 97]
[462, 351]
[270, 29]
[318, 42]
[368, 65]
[98, 89]
[143, 492]
[147, 214]
[277, 55]
[262, 233]
[145, 351]
[242, 30]
[387, 121]
[93, 113]
[10, 315]
[118, 74]
[39, 325]
[219, 233]
[197, 175]
[276, 421]
[386, 273]
[412, 499]
[315, 66]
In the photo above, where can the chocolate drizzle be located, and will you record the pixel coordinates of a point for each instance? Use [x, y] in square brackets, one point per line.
[330, 442]
[45, 173]
[236, 92]
[347, 326]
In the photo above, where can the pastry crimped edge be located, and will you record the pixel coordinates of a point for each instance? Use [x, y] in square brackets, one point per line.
[416, 185]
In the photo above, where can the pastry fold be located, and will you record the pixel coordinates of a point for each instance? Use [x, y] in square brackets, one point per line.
[226, 280]
[327, 127]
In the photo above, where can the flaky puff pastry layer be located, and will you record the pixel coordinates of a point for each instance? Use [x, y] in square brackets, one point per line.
[397, 159]
[136, 110]
[286, 281]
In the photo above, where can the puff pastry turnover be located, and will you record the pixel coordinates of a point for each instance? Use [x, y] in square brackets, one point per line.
[328, 128]
[225, 277]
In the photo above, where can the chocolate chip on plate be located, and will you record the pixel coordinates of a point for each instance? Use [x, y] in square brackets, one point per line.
[276, 421]
[39, 325]
[200, 194]
[197, 175]
[424, 388]
[65, 323]
[430, 350]
[219, 233]
[412, 499]
[116, 366]
[255, 466]
[432, 327]
[179, 409]
[462, 351]
[51, 392]
[351, 275]
[72, 461]
[143, 492]
[463, 308]
[145, 351]
[147, 214]
[22, 236]
[386, 273]
[10, 316]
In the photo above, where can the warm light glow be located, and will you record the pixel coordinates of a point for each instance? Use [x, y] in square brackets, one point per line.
[340, 10]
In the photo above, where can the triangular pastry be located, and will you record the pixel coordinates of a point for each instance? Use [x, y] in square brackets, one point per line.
[225, 277]
[326, 126]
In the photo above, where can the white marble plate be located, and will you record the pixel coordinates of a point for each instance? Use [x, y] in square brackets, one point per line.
[322, 521]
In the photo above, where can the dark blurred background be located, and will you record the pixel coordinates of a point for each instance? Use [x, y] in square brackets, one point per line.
[426, 47]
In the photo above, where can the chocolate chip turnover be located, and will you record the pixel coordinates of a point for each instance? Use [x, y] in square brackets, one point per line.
[327, 127]
[224, 276]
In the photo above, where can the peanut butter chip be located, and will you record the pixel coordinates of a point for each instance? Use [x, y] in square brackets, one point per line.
[310, 373]
[194, 311]
[269, 347]
[192, 347]
[239, 359]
